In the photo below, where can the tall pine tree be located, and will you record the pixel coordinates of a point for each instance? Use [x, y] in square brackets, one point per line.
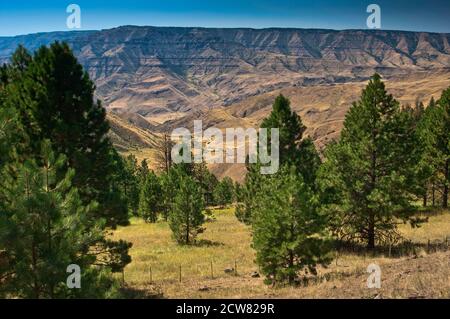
[294, 148]
[441, 140]
[186, 218]
[44, 228]
[55, 101]
[150, 198]
[37, 95]
[369, 178]
[288, 231]
[131, 183]
[295, 151]
[427, 165]
[223, 192]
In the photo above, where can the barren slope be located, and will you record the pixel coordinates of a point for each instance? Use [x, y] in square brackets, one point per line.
[157, 78]
[158, 70]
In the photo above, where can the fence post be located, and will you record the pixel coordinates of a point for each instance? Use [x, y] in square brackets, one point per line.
[235, 268]
[390, 249]
[180, 273]
[428, 247]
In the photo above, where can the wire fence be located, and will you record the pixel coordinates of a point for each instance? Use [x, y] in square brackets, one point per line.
[152, 273]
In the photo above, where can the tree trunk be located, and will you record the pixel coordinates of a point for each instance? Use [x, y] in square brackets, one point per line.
[371, 238]
[36, 289]
[425, 200]
[291, 265]
[187, 234]
[371, 232]
[433, 195]
[188, 229]
[371, 228]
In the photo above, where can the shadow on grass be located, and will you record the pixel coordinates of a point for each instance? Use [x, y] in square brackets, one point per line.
[403, 249]
[150, 292]
[207, 243]
[431, 211]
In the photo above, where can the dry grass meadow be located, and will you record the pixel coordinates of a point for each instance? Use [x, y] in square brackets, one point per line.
[420, 272]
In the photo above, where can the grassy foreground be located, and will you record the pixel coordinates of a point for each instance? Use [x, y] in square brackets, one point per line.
[208, 269]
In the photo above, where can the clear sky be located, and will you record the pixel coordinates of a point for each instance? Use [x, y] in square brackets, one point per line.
[22, 17]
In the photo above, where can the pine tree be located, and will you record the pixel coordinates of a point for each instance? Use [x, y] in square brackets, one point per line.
[288, 231]
[237, 188]
[433, 132]
[167, 191]
[170, 184]
[440, 143]
[47, 97]
[206, 180]
[223, 192]
[246, 194]
[44, 228]
[131, 183]
[54, 98]
[11, 134]
[427, 166]
[186, 218]
[294, 148]
[150, 198]
[369, 178]
[143, 171]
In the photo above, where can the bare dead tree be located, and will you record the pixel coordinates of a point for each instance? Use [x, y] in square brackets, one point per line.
[164, 152]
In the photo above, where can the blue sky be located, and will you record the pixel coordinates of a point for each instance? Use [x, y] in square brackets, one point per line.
[22, 17]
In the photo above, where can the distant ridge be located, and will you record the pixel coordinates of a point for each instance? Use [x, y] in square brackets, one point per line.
[157, 70]
[153, 79]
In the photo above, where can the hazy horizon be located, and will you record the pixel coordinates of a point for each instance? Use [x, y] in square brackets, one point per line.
[230, 28]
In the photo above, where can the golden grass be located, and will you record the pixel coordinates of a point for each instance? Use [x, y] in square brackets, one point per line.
[227, 241]
[224, 242]
[436, 229]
